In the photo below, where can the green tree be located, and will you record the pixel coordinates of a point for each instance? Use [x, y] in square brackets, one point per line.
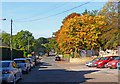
[39, 45]
[111, 33]
[5, 38]
[23, 40]
[92, 13]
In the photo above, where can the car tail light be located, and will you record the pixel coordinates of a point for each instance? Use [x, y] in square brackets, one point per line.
[6, 71]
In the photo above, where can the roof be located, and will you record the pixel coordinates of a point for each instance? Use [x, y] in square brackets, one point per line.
[20, 59]
[7, 61]
[28, 58]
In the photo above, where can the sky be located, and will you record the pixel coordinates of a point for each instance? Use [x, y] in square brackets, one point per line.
[39, 17]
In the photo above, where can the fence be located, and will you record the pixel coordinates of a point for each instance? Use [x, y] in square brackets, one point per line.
[6, 53]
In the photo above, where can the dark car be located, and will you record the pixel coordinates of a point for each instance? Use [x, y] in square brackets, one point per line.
[57, 58]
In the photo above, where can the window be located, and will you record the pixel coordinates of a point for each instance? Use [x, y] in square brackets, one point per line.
[5, 64]
[117, 58]
[19, 61]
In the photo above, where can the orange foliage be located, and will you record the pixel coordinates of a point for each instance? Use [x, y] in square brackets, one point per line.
[79, 31]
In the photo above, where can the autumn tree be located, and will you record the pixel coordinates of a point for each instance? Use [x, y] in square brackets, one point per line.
[79, 32]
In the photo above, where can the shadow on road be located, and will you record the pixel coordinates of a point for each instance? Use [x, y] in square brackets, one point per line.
[62, 75]
[55, 76]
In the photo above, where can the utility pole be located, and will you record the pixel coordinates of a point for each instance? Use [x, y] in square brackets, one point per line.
[28, 43]
[11, 40]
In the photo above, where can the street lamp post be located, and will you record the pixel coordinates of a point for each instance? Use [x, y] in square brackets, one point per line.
[27, 37]
[28, 44]
[10, 37]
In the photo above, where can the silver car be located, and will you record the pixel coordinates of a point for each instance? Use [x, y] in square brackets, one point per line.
[10, 72]
[91, 63]
[23, 63]
[32, 63]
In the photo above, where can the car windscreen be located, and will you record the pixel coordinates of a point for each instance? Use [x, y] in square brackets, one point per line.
[29, 60]
[5, 64]
[103, 58]
[113, 57]
[117, 58]
[19, 61]
[96, 59]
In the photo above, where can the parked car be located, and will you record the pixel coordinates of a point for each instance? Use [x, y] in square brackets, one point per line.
[92, 62]
[57, 58]
[32, 57]
[10, 72]
[32, 63]
[118, 65]
[51, 53]
[23, 63]
[113, 63]
[103, 61]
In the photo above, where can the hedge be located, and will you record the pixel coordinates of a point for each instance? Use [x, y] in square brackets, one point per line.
[5, 53]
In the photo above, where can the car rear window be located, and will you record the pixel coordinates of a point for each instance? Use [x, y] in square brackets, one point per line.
[117, 58]
[5, 64]
[19, 61]
[114, 57]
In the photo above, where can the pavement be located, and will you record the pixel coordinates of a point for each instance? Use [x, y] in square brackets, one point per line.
[100, 75]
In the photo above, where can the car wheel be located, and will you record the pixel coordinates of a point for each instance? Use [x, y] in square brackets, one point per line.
[30, 69]
[110, 67]
[20, 76]
[27, 71]
[14, 81]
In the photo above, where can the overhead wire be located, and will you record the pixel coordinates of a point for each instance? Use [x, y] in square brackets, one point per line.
[55, 14]
[56, 7]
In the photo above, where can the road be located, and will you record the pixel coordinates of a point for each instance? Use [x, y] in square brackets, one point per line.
[52, 72]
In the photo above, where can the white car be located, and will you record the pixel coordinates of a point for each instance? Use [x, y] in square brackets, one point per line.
[32, 63]
[10, 72]
[23, 63]
[118, 65]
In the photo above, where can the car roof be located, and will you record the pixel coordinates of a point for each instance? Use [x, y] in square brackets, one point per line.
[20, 59]
[28, 58]
[7, 61]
